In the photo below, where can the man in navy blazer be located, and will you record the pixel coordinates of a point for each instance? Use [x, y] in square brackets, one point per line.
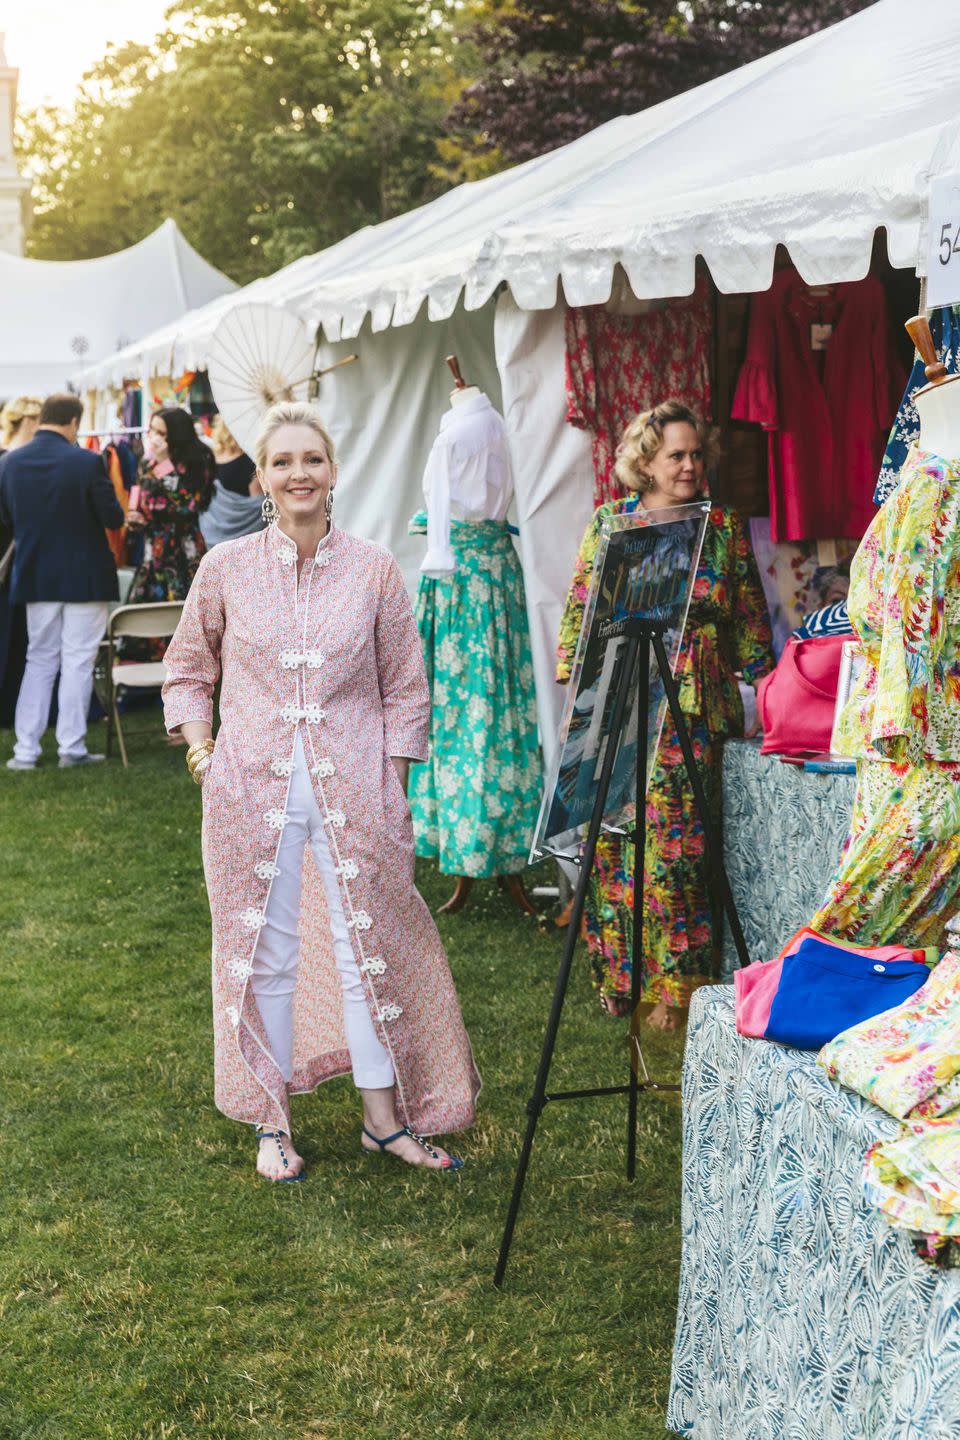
[58, 501]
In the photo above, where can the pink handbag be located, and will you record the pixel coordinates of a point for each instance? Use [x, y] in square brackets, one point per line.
[796, 701]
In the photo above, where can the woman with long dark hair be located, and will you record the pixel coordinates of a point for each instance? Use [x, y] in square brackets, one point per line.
[176, 484]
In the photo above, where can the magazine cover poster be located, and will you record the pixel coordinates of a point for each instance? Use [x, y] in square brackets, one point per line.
[645, 569]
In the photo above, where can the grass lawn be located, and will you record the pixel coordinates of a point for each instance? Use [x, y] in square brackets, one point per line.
[152, 1289]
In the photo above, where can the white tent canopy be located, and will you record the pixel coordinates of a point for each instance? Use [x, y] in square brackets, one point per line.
[814, 147]
[55, 313]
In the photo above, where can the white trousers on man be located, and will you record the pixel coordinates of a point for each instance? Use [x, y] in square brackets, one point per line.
[274, 977]
[65, 638]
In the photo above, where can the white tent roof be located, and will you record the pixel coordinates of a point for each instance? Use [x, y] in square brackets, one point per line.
[56, 313]
[814, 147]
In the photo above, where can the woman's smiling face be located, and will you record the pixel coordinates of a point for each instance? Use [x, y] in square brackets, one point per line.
[298, 473]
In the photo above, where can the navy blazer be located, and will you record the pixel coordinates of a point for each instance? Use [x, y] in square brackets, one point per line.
[58, 500]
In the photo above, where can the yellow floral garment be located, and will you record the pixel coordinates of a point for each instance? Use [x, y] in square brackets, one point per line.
[905, 607]
[907, 1061]
[899, 877]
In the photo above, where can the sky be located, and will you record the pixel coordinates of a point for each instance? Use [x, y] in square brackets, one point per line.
[52, 42]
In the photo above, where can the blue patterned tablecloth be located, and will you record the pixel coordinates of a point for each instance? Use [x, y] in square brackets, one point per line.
[782, 833]
[802, 1315]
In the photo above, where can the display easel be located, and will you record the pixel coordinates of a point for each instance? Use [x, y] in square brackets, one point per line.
[644, 642]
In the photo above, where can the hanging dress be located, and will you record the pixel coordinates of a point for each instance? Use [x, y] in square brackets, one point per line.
[620, 364]
[727, 631]
[899, 876]
[475, 800]
[827, 412]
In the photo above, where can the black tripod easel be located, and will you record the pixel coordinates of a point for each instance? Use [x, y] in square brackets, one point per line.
[644, 638]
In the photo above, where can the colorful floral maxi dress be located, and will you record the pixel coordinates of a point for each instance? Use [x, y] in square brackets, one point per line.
[335, 655]
[899, 876]
[476, 799]
[727, 631]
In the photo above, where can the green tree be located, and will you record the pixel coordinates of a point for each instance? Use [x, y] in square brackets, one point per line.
[268, 129]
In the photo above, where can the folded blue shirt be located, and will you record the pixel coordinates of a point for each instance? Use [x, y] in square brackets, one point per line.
[824, 990]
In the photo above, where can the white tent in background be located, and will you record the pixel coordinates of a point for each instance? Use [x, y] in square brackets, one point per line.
[815, 147]
[57, 314]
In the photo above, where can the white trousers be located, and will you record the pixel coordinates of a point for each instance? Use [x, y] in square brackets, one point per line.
[60, 637]
[274, 977]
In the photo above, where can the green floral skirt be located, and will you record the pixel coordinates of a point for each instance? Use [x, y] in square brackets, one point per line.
[475, 800]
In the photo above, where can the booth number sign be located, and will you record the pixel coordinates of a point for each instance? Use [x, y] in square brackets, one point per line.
[943, 251]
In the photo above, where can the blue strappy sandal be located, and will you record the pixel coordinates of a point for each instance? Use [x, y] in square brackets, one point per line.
[450, 1163]
[279, 1136]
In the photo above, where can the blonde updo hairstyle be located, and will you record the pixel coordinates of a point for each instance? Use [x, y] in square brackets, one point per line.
[643, 438]
[290, 412]
[220, 436]
[25, 407]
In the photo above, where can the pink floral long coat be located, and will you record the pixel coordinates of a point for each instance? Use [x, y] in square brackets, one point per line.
[337, 654]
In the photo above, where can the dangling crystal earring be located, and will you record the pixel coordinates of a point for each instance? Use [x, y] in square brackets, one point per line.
[269, 509]
[329, 505]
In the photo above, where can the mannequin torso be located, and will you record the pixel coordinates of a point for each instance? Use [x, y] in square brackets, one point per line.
[467, 392]
[939, 409]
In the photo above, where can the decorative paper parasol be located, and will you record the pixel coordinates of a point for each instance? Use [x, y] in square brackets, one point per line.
[258, 355]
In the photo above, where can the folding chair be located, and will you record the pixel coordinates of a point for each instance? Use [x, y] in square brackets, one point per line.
[145, 622]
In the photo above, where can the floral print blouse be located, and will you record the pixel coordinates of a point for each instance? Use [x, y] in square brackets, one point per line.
[905, 607]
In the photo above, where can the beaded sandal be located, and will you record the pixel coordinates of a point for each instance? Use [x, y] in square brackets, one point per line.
[450, 1162]
[279, 1136]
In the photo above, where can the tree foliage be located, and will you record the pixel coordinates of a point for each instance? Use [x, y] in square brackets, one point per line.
[549, 73]
[267, 129]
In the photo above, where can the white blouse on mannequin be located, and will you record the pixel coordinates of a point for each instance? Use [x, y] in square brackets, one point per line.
[467, 476]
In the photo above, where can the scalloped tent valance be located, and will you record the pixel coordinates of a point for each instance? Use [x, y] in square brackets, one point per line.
[815, 147]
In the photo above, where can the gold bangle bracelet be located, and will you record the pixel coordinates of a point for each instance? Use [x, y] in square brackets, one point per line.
[200, 769]
[196, 752]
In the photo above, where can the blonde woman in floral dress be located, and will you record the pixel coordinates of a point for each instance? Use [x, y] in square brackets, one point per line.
[326, 961]
[662, 462]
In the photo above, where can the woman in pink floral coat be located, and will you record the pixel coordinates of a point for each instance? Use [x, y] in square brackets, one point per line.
[325, 958]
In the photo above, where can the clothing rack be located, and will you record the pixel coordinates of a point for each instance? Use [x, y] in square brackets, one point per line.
[114, 430]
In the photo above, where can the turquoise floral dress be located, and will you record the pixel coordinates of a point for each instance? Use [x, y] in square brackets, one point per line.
[475, 801]
[728, 632]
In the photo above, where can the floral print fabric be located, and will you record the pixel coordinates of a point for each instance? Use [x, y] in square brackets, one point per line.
[727, 631]
[899, 1059]
[618, 365]
[907, 1061]
[904, 604]
[899, 876]
[475, 801]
